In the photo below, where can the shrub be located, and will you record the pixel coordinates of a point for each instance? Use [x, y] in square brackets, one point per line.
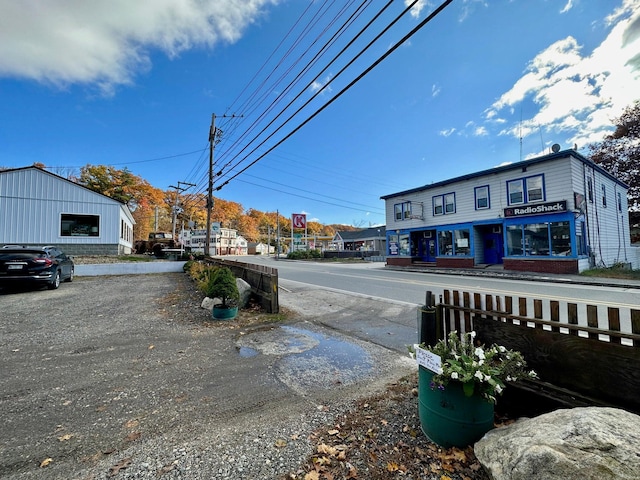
[304, 254]
[222, 284]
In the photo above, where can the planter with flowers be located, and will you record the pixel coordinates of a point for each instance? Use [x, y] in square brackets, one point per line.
[458, 383]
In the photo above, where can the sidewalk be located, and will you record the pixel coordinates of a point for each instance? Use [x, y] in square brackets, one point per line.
[497, 272]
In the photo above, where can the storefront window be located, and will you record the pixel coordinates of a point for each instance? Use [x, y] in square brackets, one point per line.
[534, 239]
[445, 242]
[560, 238]
[514, 240]
[462, 242]
[403, 244]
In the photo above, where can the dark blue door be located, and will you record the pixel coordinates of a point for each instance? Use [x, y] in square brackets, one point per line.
[493, 248]
[428, 249]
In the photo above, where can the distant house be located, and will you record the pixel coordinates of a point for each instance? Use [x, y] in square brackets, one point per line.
[259, 248]
[40, 208]
[368, 239]
[222, 241]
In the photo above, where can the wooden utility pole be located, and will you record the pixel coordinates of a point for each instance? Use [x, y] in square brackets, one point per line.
[213, 135]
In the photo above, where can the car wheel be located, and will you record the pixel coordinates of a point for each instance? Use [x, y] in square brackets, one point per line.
[55, 283]
[71, 273]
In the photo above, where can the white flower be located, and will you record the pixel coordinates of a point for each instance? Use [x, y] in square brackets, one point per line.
[479, 375]
[454, 375]
[498, 389]
[502, 349]
[479, 353]
[480, 363]
[473, 334]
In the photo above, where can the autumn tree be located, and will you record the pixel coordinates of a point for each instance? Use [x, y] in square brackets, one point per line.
[619, 154]
[145, 201]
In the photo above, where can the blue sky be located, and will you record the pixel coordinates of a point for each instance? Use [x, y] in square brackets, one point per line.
[135, 84]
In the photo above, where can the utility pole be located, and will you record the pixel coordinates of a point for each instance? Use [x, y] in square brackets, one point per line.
[215, 135]
[179, 190]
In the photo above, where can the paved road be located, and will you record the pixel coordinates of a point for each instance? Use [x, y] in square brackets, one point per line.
[410, 286]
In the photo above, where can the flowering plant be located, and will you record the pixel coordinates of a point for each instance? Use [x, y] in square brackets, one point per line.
[479, 369]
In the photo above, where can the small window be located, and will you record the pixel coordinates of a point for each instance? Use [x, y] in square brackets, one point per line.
[534, 189]
[590, 189]
[444, 204]
[438, 205]
[72, 225]
[450, 203]
[482, 197]
[619, 202]
[604, 195]
[515, 192]
[402, 211]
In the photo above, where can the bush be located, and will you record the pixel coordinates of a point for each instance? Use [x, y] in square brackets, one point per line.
[304, 254]
[222, 284]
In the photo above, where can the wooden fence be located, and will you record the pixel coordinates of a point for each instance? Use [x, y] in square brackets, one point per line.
[263, 280]
[585, 354]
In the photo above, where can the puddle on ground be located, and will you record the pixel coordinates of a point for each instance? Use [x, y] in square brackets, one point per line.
[309, 359]
[247, 352]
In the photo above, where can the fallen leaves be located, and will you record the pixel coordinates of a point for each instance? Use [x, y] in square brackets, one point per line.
[46, 462]
[381, 438]
[121, 465]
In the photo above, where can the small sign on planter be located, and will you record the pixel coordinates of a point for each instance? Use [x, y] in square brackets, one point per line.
[428, 360]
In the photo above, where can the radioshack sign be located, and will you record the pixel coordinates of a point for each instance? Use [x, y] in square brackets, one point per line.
[539, 209]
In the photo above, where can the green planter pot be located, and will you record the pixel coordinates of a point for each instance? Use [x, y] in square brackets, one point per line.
[228, 313]
[448, 417]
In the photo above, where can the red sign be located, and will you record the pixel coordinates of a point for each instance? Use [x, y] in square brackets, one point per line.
[299, 220]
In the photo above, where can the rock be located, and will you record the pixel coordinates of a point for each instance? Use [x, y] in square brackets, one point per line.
[580, 443]
[245, 292]
[208, 303]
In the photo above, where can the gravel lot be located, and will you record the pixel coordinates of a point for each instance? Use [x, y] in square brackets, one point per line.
[126, 377]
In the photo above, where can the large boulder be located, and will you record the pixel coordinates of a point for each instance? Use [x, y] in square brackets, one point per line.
[245, 292]
[591, 443]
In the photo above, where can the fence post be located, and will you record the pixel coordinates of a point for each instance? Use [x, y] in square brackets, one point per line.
[427, 321]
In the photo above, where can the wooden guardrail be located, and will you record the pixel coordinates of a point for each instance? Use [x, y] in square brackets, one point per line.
[584, 353]
[263, 280]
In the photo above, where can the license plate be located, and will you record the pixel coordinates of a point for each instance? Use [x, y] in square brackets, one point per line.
[14, 267]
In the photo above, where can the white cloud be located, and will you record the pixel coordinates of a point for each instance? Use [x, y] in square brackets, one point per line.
[109, 43]
[447, 132]
[322, 85]
[578, 95]
[567, 7]
[435, 90]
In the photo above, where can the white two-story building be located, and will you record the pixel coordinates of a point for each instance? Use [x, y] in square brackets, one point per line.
[558, 213]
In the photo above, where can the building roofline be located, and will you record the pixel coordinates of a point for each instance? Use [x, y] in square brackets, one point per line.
[506, 168]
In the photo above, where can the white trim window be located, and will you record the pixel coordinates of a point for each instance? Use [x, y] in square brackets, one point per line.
[438, 205]
[482, 197]
[525, 190]
[402, 211]
[444, 204]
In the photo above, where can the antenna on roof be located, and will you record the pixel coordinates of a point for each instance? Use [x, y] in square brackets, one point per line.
[520, 132]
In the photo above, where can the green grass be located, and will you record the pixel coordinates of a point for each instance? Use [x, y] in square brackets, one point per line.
[613, 272]
[136, 258]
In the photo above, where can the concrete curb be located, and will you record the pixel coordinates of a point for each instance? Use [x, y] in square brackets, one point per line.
[569, 279]
[132, 268]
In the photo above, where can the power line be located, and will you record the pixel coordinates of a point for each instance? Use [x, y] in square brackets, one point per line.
[353, 82]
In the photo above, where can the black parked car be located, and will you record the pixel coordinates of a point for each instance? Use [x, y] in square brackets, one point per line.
[34, 265]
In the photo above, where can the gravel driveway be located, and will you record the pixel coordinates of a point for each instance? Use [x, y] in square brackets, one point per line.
[126, 377]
